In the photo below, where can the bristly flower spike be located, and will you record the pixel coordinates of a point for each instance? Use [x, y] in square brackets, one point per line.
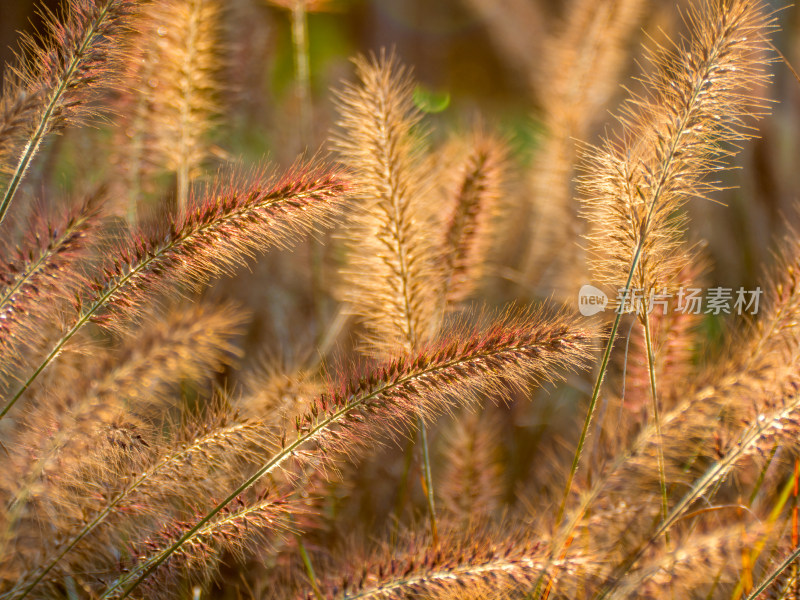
[56, 86]
[240, 215]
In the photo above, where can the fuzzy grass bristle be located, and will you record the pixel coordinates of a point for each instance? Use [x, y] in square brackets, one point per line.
[474, 195]
[237, 217]
[687, 121]
[471, 564]
[247, 522]
[507, 355]
[473, 483]
[586, 58]
[45, 265]
[56, 87]
[185, 85]
[390, 279]
[139, 495]
[404, 413]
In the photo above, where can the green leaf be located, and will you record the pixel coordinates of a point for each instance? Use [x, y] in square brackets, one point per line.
[430, 101]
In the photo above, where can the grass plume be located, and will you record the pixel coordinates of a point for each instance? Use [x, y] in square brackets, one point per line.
[187, 59]
[510, 353]
[55, 87]
[232, 222]
[674, 136]
[389, 276]
[395, 416]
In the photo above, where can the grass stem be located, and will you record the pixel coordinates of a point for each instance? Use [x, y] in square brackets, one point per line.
[302, 70]
[651, 368]
[427, 480]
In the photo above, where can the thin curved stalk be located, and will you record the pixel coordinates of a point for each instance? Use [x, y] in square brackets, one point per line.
[593, 401]
[770, 579]
[758, 548]
[651, 368]
[302, 69]
[312, 576]
[428, 480]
